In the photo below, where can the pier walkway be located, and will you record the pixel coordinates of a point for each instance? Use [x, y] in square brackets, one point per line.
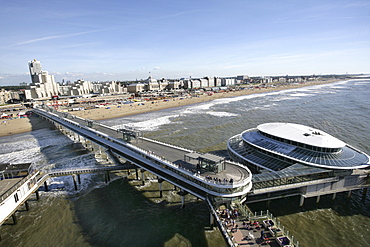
[179, 166]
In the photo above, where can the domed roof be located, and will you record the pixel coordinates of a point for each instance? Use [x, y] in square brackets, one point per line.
[302, 134]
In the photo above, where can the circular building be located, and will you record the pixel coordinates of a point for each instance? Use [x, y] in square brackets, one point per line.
[277, 146]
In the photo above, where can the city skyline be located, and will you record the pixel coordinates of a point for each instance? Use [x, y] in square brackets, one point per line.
[125, 40]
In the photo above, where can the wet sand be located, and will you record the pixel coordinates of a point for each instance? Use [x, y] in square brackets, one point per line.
[21, 125]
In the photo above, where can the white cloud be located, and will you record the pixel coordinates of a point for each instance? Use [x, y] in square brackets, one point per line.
[53, 37]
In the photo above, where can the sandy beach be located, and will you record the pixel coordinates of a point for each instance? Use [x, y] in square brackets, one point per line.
[21, 125]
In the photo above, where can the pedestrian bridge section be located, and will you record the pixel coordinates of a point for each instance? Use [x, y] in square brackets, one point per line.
[204, 177]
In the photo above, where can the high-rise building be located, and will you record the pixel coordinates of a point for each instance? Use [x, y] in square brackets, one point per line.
[43, 85]
[35, 67]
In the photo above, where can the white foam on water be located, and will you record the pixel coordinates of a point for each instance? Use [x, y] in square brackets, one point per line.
[222, 114]
[149, 125]
[194, 109]
[22, 156]
[283, 98]
[301, 94]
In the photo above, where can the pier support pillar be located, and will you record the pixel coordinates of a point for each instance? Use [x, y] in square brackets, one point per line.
[79, 178]
[137, 174]
[182, 193]
[349, 194]
[182, 201]
[37, 195]
[27, 205]
[14, 217]
[364, 192]
[317, 199]
[107, 177]
[268, 201]
[334, 196]
[74, 181]
[142, 176]
[46, 186]
[211, 220]
[160, 180]
[301, 201]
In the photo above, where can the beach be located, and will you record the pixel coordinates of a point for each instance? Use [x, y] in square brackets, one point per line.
[22, 125]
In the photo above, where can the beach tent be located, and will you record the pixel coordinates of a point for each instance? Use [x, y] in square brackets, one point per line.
[4, 115]
[22, 114]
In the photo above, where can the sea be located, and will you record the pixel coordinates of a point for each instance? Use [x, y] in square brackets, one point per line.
[123, 212]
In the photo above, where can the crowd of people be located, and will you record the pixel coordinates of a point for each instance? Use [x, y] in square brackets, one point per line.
[219, 181]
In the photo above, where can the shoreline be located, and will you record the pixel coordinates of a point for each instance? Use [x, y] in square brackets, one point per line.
[136, 108]
[23, 125]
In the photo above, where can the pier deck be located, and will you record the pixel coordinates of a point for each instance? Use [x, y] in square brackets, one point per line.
[6, 184]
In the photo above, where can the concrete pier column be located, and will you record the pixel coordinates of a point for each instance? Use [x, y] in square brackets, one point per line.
[160, 187]
[79, 178]
[182, 193]
[15, 220]
[268, 203]
[83, 141]
[349, 194]
[46, 186]
[334, 196]
[211, 219]
[364, 192]
[182, 201]
[74, 181]
[107, 176]
[137, 174]
[142, 176]
[37, 195]
[301, 201]
[27, 205]
[317, 199]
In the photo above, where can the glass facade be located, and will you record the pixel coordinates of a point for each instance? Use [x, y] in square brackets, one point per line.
[276, 153]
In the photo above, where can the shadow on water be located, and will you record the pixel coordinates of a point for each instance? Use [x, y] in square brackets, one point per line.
[119, 215]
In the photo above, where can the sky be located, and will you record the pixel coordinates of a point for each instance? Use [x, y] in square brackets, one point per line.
[100, 40]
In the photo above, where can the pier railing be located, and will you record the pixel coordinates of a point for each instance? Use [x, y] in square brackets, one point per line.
[7, 193]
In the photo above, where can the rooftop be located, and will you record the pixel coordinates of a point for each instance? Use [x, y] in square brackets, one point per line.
[302, 134]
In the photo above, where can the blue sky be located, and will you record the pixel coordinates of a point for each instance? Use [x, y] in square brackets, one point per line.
[125, 40]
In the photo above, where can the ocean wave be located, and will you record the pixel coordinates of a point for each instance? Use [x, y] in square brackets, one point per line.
[301, 94]
[222, 114]
[148, 125]
[29, 155]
